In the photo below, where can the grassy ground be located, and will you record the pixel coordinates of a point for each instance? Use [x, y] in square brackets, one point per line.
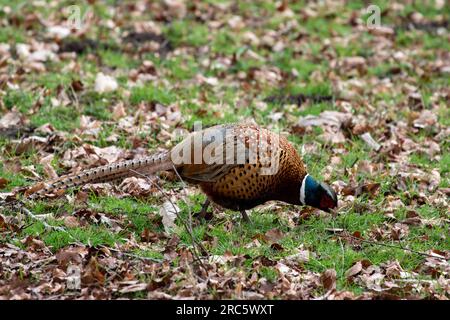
[219, 62]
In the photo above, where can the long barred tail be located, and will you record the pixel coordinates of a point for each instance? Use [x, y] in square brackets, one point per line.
[110, 172]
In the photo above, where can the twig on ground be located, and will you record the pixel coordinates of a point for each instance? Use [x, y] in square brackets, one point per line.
[370, 141]
[189, 226]
[61, 229]
[132, 255]
[46, 225]
[392, 246]
[22, 208]
[186, 226]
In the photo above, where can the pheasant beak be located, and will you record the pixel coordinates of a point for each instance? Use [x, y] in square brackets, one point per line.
[328, 201]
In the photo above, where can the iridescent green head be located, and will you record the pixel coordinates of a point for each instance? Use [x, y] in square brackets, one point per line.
[317, 194]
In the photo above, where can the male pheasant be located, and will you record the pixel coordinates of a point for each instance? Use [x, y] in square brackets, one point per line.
[238, 166]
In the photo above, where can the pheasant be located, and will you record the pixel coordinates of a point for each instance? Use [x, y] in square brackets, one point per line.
[237, 166]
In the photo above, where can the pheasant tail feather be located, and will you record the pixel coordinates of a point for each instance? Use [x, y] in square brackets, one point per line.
[109, 172]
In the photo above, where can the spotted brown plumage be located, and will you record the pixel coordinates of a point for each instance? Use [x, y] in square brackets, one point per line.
[238, 166]
[243, 187]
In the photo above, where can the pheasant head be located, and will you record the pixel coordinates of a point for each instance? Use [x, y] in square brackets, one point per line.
[317, 194]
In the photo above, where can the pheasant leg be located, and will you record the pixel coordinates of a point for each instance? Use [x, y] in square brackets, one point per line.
[203, 213]
[245, 217]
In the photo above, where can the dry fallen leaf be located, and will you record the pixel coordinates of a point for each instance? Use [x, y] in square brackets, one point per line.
[119, 111]
[71, 222]
[273, 235]
[3, 182]
[11, 119]
[426, 118]
[59, 32]
[35, 188]
[105, 83]
[354, 270]
[369, 188]
[136, 186]
[370, 141]
[50, 172]
[134, 288]
[328, 279]
[169, 212]
[301, 257]
[326, 118]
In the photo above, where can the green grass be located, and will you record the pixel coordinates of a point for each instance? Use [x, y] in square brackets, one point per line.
[183, 32]
[62, 118]
[115, 59]
[151, 93]
[23, 101]
[12, 35]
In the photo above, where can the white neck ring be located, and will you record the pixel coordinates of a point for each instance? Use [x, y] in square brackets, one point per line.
[302, 190]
